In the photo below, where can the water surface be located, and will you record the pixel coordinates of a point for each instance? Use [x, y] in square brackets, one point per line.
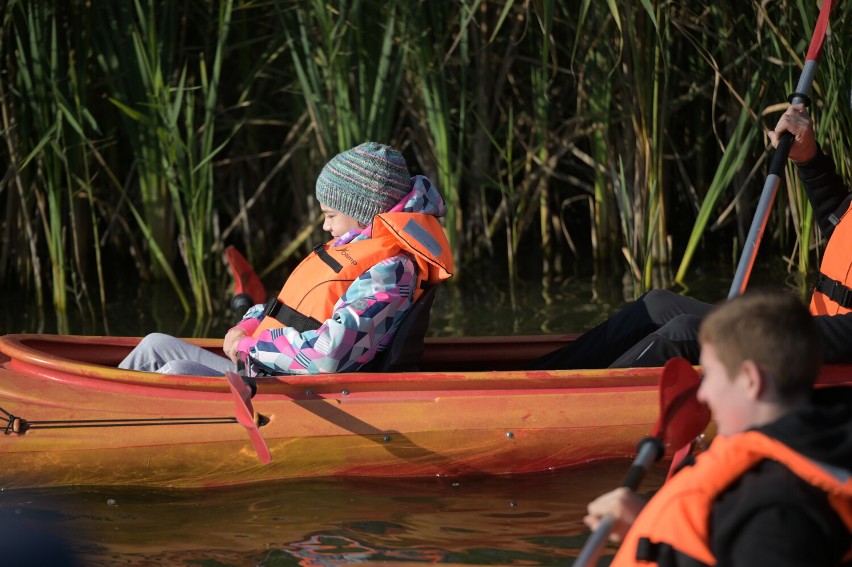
[521, 520]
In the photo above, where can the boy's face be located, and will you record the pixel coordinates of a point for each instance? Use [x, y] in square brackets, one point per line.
[727, 396]
[336, 222]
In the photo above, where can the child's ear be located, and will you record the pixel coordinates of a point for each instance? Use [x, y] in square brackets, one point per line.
[756, 382]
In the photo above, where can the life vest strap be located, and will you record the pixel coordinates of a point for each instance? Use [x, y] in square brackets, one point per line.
[320, 251]
[646, 550]
[662, 553]
[835, 217]
[289, 317]
[834, 290]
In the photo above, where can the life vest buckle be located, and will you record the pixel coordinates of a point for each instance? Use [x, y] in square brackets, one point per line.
[834, 290]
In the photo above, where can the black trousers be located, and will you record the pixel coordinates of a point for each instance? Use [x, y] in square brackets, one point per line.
[656, 327]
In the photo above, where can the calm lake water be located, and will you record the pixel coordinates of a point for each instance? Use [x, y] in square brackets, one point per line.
[522, 520]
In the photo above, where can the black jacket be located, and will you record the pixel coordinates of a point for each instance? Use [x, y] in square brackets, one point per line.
[827, 194]
[770, 500]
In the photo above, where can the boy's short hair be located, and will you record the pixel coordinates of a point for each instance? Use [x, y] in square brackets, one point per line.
[775, 331]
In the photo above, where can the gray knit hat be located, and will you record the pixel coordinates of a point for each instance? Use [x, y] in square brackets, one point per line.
[364, 181]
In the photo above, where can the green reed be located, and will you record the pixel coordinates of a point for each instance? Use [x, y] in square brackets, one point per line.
[540, 166]
[46, 148]
[738, 149]
[189, 146]
[137, 51]
[348, 67]
[438, 60]
[143, 125]
[173, 146]
[38, 68]
[628, 88]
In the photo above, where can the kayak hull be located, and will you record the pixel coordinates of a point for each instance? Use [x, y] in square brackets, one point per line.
[74, 419]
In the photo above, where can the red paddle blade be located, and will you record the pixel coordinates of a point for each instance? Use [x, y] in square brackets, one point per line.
[682, 417]
[245, 279]
[245, 414]
[678, 458]
[819, 31]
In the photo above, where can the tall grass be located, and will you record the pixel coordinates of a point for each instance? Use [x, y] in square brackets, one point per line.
[190, 146]
[618, 134]
[629, 98]
[348, 66]
[137, 50]
[736, 152]
[647, 52]
[47, 133]
[438, 59]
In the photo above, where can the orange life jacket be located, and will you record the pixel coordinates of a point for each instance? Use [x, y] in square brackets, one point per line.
[308, 296]
[833, 290]
[679, 514]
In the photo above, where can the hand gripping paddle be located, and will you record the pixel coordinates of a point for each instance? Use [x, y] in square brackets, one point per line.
[245, 414]
[682, 418]
[779, 160]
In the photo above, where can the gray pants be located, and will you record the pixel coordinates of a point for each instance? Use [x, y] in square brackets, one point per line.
[166, 354]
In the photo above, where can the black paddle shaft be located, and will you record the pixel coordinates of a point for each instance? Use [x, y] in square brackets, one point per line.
[650, 450]
[770, 188]
[761, 216]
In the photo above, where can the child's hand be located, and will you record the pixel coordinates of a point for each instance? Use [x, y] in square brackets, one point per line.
[232, 338]
[622, 504]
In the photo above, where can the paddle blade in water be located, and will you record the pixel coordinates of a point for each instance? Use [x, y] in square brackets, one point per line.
[245, 414]
[682, 417]
[260, 445]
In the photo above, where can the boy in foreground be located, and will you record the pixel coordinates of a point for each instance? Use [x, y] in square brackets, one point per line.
[775, 486]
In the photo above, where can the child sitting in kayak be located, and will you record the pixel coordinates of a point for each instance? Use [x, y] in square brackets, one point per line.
[343, 303]
[774, 488]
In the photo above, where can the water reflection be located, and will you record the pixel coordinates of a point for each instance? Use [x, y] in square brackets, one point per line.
[481, 302]
[529, 520]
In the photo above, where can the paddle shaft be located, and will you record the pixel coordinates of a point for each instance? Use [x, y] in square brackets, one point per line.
[770, 187]
[758, 223]
[650, 451]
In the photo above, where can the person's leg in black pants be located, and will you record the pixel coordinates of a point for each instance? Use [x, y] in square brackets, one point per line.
[659, 325]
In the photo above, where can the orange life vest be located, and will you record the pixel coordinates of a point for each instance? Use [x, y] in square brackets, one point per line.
[679, 514]
[308, 296]
[833, 291]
